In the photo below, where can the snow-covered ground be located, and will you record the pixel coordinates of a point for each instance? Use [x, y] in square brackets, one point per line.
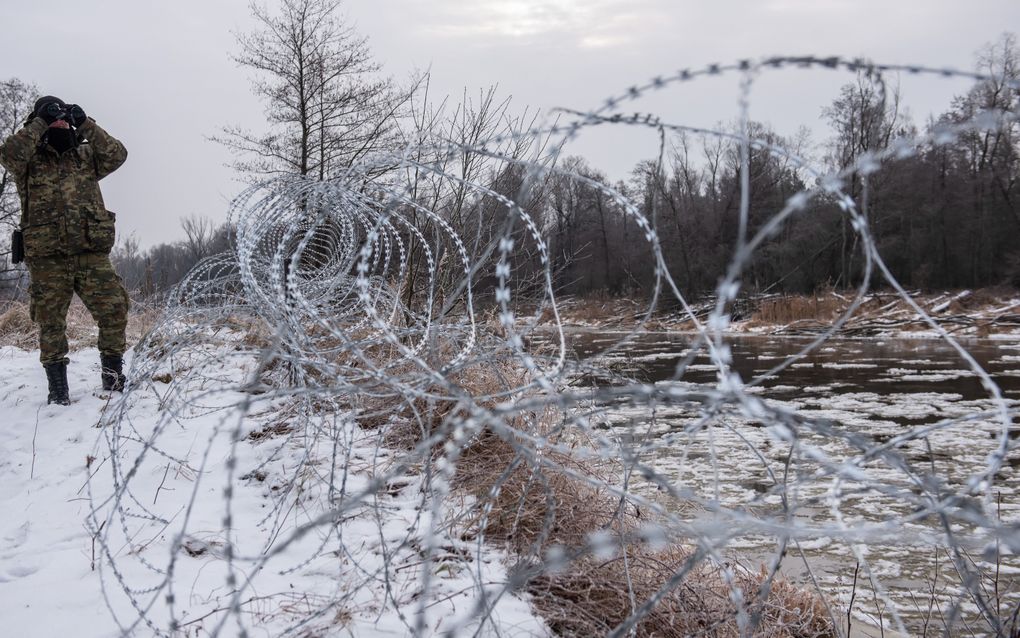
[166, 517]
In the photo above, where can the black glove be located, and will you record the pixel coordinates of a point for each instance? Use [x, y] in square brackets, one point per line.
[50, 112]
[75, 115]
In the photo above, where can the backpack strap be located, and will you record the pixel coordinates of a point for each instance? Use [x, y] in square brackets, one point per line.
[28, 174]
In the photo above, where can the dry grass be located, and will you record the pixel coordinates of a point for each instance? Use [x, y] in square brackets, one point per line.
[409, 421]
[18, 330]
[256, 334]
[141, 319]
[270, 431]
[534, 509]
[592, 598]
[980, 312]
[531, 501]
[595, 308]
[788, 309]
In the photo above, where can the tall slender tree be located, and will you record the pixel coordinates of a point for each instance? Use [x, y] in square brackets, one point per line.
[325, 101]
[865, 118]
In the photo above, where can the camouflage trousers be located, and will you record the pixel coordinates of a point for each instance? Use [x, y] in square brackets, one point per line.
[53, 282]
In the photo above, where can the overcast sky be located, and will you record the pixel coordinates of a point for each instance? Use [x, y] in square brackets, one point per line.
[159, 76]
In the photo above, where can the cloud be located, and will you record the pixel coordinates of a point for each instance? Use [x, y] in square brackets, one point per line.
[822, 7]
[585, 23]
[597, 41]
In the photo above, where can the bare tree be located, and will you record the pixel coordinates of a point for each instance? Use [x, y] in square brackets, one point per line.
[865, 117]
[326, 105]
[995, 151]
[461, 175]
[16, 100]
[129, 262]
[199, 232]
[155, 270]
[988, 158]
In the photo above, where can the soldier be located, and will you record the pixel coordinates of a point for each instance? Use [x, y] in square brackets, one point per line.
[57, 160]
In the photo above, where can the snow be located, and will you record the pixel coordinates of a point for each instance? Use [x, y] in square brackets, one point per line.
[57, 577]
[944, 305]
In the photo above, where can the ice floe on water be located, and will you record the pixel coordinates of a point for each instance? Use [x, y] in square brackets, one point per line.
[931, 376]
[659, 356]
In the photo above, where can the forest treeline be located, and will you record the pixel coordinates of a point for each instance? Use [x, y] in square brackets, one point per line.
[944, 216]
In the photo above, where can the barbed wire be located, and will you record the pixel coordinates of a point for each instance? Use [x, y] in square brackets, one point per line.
[358, 361]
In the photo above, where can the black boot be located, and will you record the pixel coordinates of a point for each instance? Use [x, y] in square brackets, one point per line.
[56, 377]
[112, 372]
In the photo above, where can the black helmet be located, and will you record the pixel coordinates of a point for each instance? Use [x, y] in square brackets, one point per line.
[46, 99]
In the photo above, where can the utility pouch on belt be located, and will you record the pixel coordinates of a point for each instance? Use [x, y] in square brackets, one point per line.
[98, 225]
[17, 247]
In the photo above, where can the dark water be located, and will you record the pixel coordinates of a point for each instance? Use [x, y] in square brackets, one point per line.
[848, 365]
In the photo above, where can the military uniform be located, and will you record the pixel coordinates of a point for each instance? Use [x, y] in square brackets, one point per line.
[68, 233]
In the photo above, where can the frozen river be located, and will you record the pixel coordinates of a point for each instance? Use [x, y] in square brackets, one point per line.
[911, 418]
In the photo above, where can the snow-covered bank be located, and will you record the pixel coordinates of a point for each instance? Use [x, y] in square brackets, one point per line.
[103, 556]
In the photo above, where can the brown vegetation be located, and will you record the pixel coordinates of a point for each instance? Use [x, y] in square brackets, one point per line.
[536, 507]
[979, 313]
[595, 308]
[786, 309]
[592, 598]
[533, 500]
[17, 328]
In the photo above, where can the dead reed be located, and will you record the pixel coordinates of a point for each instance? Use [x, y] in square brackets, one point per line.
[17, 328]
[786, 309]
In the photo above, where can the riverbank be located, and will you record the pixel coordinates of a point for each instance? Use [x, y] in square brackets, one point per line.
[528, 489]
[988, 312]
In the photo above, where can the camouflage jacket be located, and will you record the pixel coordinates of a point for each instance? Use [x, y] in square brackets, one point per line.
[62, 209]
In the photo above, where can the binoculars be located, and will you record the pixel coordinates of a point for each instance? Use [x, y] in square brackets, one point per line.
[56, 111]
